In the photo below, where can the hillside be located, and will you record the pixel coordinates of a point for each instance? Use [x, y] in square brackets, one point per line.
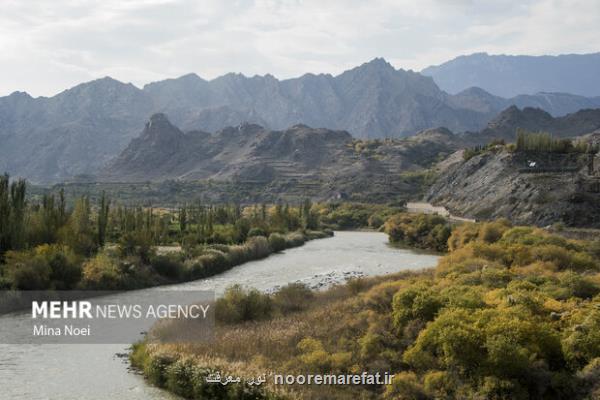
[555, 104]
[508, 76]
[74, 132]
[505, 125]
[525, 187]
[79, 130]
[296, 162]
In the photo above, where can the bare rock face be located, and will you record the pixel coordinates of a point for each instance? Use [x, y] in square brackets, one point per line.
[296, 162]
[538, 189]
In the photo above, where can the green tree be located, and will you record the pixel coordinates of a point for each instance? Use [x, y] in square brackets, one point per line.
[79, 234]
[103, 219]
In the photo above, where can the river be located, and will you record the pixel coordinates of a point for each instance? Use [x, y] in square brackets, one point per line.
[90, 372]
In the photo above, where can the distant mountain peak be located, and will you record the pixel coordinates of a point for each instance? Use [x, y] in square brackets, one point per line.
[19, 94]
[378, 63]
[513, 75]
[191, 75]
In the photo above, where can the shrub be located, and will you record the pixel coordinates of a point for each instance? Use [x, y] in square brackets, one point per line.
[102, 272]
[45, 267]
[375, 221]
[213, 262]
[240, 305]
[156, 368]
[64, 264]
[582, 343]
[179, 378]
[293, 297]
[313, 356]
[257, 232]
[494, 388]
[405, 385]
[138, 243]
[277, 242]
[415, 303]
[578, 286]
[294, 239]
[27, 271]
[491, 232]
[439, 384]
[462, 235]
[422, 230]
[168, 265]
[257, 247]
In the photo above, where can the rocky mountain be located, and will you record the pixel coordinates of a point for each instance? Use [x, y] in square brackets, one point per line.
[370, 101]
[525, 187]
[556, 104]
[74, 132]
[298, 161]
[509, 76]
[538, 188]
[79, 130]
[505, 125]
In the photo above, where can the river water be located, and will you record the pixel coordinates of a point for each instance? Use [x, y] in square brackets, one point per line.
[93, 372]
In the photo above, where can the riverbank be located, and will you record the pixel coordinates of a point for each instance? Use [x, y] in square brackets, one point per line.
[504, 308]
[42, 372]
[189, 264]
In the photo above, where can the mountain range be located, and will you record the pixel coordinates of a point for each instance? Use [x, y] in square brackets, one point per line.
[505, 125]
[509, 76]
[81, 129]
[266, 165]
[298, 161]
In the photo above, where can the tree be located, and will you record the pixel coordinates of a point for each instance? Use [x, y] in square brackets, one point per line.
[183, 219]
[12, 214]
[4, 215]
[103, 219]
[17, 216]
[79, 233]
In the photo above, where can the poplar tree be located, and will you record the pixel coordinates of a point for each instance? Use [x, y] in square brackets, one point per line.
[103, 219]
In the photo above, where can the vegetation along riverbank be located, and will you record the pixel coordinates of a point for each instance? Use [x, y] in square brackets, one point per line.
[510, 312]
[47, 244]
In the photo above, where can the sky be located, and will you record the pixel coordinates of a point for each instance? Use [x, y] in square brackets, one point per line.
[47, 46]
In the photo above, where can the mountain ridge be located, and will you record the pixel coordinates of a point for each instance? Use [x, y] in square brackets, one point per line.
[513, 75]
[49, 139]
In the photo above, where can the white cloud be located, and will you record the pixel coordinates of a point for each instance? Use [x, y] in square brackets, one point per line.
[48, 46]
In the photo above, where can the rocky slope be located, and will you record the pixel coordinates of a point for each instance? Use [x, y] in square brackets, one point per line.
[505, 125]
[527, 188]
[74, 132]
[79, 130]
[295, 162]
[509, 76]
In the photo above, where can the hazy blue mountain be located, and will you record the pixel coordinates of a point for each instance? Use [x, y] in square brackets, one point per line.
[509, 76]
[556, 104]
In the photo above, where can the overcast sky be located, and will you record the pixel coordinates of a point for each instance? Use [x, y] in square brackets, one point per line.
[47, 46]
